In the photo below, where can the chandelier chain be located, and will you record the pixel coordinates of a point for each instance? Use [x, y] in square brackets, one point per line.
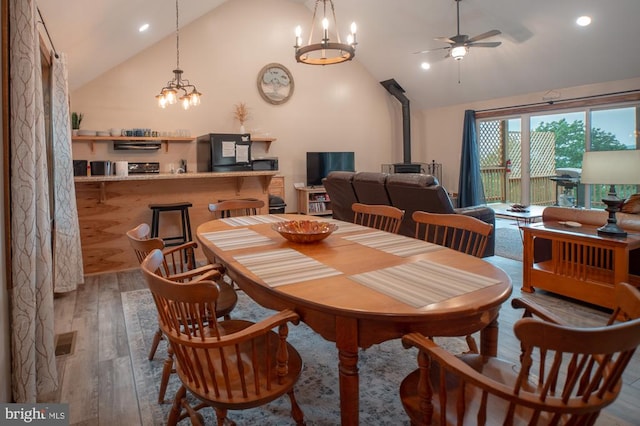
[335, 21]
[177, 38]
[313, 21]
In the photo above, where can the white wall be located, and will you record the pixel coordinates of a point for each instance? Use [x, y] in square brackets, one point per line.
[334, 108]
[443, 126]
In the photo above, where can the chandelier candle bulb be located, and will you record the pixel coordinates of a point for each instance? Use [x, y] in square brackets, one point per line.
[325, 27]
[298, 36]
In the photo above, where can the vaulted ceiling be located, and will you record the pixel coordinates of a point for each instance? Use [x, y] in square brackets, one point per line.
[542, 46]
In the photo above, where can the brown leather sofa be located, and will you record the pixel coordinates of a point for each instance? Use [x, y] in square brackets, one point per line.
[341, 194]
[370, 188]
[627, 221]
[407, 191]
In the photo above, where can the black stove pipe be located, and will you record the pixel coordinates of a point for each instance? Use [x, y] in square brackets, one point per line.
[394, 88]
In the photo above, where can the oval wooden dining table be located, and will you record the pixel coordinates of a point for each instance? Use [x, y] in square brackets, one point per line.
[360, 286]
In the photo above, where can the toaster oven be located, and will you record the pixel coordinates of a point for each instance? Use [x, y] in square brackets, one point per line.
[265, 163]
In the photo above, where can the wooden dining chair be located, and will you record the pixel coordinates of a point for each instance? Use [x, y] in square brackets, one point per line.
[566, 374]
[382, 217]
[178, 265]
[233, 208]
[228, 365]
[455, 231]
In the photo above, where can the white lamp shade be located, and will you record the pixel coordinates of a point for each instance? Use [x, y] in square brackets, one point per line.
[611, 167]
[458, 52]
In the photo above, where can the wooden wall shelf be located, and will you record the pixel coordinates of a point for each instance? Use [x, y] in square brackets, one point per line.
[266, 140]
[164, 139]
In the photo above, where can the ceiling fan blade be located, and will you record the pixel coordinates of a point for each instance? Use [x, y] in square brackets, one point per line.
[485, 44]
[445, 39]
[431, 50]
[484, 35]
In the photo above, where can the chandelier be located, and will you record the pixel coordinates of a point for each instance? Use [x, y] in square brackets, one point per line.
[178, 86]
[325, 52]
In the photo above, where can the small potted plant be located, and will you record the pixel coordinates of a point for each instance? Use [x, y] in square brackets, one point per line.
[76, 119]
[241, 113]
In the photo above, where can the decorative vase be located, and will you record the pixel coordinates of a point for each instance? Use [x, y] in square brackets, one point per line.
[74, 132]
[242, 131]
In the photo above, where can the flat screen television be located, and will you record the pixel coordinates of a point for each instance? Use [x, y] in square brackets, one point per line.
[319, 164]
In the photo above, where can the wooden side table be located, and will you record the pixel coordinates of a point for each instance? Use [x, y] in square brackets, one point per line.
[314, 201]
[580, 263]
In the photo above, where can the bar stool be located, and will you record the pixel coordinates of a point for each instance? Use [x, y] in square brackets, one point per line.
[183, 208]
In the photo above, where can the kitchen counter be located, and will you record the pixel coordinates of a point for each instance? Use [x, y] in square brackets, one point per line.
[109, 206]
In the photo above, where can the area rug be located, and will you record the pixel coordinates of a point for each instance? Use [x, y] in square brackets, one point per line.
[382, 368]
[509, 243]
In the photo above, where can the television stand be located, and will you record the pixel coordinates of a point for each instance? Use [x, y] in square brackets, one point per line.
[314, 200]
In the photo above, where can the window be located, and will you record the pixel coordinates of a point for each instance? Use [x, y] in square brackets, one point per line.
[536, 156]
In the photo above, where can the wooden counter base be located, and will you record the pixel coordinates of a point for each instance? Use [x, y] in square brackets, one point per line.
[109, 207]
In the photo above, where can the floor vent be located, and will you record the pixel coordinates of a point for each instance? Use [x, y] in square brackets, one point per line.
[65, 343]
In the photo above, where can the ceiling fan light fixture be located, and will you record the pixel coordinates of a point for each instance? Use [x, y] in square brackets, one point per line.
[459, 52]
[460, 44]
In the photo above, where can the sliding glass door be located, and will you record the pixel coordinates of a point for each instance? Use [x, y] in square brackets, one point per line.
[613, 129]
[500, 144]
[536, 158]
[559, 141]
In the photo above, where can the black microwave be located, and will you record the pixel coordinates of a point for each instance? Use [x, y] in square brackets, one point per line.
[267, 163]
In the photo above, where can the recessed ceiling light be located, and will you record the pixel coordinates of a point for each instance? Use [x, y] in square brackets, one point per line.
[425, 65]
[143, 28]
[583, 21]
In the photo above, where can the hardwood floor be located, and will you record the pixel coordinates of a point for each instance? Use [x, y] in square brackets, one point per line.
[97, 378]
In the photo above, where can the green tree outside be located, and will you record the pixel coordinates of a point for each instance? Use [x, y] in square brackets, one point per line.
[570, 141]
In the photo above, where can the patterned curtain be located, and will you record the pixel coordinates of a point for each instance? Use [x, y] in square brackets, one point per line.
[32, 340]
[470, 187]
[67, 253]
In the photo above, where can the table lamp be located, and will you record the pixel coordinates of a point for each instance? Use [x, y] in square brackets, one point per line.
[611, 168]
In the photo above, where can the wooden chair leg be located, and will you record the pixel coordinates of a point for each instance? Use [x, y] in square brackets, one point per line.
[174, 414]
[296, 412]
[166, 373]
[154, 345]
[221, 415]
[473, 346]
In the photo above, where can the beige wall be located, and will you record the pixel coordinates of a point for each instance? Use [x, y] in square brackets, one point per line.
[443, 126]
[339, 107]
[334, 108]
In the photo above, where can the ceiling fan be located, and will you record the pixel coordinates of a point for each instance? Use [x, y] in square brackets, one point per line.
[459, 44]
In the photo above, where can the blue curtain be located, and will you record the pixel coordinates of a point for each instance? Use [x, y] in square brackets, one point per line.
[470, 188]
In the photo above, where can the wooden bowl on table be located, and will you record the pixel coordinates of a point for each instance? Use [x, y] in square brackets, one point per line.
[304, 231]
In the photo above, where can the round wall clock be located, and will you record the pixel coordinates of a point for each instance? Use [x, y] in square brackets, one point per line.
[275, 83]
